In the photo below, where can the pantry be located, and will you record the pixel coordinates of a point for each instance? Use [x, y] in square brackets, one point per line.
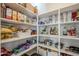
[24, 32]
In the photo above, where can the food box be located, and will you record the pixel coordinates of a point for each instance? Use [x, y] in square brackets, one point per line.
[9, 13]
[20, 17]
[30, 7]
[14, 15]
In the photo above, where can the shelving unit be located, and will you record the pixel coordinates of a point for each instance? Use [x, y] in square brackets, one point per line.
[23, 10]
[58, 23]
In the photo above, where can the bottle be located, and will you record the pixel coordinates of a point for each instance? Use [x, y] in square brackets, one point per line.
[64, 31]
[51, 31]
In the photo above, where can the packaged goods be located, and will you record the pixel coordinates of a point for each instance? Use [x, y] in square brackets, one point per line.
[74, 15]
[3, 10]
[5, 51]
[77, 15]
[9, 13]
[6, 33]
[35, 10]
[30, 7]
[14, 15]
[19, 16]
[24, 18]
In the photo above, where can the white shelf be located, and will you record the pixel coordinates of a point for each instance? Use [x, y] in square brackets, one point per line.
[16, 22]
[71, 22]
[70, 53]
[15, 39]
[49, 47]
[69, 37]
[55, 36]
[48, 24]
[19, 8]
[25, 51]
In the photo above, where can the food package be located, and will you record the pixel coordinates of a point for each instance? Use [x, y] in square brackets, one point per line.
[30, 7]
[5, 30]
[35, 10]
[24, 18]
[77, 15]
[20, 17]
[6, 33]
[14, 15]
[9, 13]
[3, 10]
[74, 15]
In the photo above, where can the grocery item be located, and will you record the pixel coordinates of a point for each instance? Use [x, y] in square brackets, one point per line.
[44, 30]
[30, 7]
[69, 16]
[22, 47]
[65, 31]
[65, 16]
[48, 42]
[8, 13]
[14, 15]
[61, 45]
[35, 10]
[24, 18]
[53, 31]
[5, 52]
[6, 33]
[74, 15]
[19, 16]
[3, 10]
[71, 31]
[33, 32]
[78, 15]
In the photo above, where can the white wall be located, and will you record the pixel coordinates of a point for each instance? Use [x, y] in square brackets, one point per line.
[44, 7]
